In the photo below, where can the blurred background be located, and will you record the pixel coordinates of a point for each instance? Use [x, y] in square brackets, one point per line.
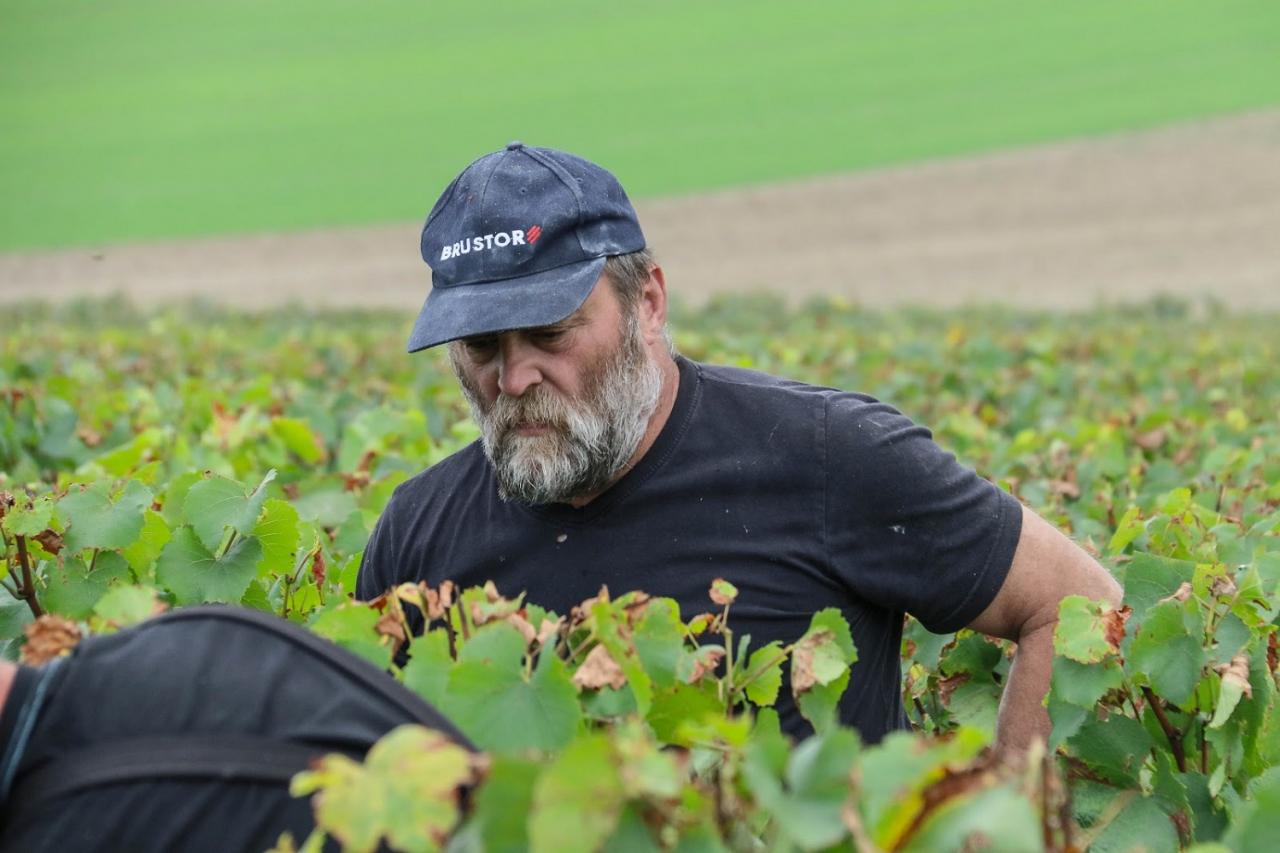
[1056, 155]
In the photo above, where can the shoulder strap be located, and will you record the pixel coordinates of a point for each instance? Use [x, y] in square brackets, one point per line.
[225, 758]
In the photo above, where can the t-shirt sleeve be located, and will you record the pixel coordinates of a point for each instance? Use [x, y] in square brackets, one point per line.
[907, 526]
[377, 566]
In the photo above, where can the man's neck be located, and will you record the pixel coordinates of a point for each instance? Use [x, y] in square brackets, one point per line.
[658, 420]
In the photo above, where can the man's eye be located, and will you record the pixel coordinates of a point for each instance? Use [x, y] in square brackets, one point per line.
[548, 336]
[480, 347]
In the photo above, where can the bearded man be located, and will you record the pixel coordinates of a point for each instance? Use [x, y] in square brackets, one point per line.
[607, 459]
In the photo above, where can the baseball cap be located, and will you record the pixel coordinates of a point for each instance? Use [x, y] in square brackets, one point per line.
[518, 240]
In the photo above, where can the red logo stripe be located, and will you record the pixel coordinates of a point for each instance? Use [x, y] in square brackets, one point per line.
[533, 234]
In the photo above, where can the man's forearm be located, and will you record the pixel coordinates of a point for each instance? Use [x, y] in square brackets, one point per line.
[1023, 717]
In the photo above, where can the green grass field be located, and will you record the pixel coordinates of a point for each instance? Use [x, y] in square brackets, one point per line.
[143, 119]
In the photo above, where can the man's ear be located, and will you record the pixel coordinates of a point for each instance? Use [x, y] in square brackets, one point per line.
[653, 305]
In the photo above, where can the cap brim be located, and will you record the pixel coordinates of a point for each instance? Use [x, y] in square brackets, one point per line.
[541, 299]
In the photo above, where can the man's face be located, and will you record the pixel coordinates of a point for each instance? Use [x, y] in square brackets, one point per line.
[561, 408]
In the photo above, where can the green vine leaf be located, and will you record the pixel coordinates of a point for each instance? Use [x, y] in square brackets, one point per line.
[93, 520]
[216, 503]
[191, 572]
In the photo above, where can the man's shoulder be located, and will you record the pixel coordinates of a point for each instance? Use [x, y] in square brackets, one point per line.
[853, 420]
[770, 388]
[455, 475]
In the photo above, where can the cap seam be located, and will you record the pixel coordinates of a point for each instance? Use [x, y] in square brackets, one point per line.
[558, 170]
[521, 275]
[440, 206]
[484, 191]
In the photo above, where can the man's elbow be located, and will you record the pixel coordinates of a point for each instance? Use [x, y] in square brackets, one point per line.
[1111, 591]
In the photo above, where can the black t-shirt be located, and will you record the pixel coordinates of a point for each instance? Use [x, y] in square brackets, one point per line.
[803, 497]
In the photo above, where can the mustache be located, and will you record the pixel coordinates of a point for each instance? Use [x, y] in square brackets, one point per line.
[537, 406]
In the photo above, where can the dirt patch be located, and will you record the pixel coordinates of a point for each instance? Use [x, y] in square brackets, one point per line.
[1186, 211]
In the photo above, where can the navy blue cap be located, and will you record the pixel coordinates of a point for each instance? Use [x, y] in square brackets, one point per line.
[518, 240]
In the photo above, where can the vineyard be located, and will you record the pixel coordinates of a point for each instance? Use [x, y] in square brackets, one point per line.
[152, 459]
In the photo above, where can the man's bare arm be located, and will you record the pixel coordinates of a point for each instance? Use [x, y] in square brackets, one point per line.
[1047, 566]
[7, 673]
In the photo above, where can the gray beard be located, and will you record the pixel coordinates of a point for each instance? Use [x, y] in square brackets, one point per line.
[591, 439]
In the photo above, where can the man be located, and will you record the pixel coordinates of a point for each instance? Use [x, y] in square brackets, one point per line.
[607, 459]
[182, 733]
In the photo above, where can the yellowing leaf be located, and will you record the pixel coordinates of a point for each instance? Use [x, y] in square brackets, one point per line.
[406, 792]
[722, 592]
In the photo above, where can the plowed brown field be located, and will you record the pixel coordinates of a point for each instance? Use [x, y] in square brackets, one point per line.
[1186, 211]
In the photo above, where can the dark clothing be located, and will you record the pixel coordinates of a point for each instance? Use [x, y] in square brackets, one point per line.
[803, 497]
[205, 675]
[24, 683]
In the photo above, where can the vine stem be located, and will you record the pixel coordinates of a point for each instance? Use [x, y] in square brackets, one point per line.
[222, 552]
[28, 592]
[726, 686]
[1170, 732]
[450, 633]
[760, 670]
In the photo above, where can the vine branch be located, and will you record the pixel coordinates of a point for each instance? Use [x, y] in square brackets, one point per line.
[1170, 731]
[28, 591]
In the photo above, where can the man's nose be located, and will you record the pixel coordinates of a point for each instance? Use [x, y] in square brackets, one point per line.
[518, 368]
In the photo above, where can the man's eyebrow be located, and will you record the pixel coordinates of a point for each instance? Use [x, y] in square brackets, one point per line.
[573, 320]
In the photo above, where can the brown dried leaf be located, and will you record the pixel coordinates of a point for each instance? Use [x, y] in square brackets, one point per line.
[447, 590]
[1113, 622]
[389, 625]
[522, 625]
[318, 566]
[1182, 593]
[431, 599]
[49, 637]
[355, 481]
[49, 540]
[706, 662]
[599, 670]
[494, 608]
[1223, 587]
[90, 437]
[802, 677]
[1066, 488]
[549, 629]
[223, 421]
[1237, 672]
[580, 612]
[1152, 440]
[948, 685]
